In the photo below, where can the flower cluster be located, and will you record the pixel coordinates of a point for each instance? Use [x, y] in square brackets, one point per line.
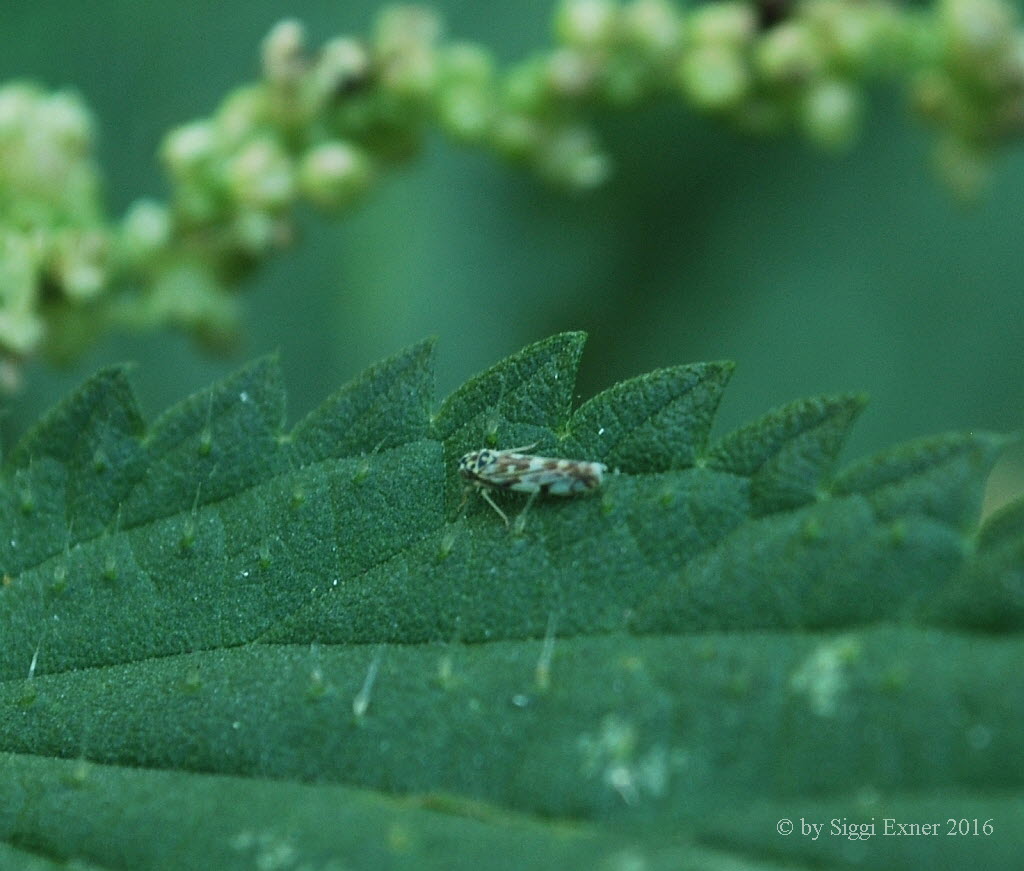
[53, 240]
[971, 85]
[323, 122]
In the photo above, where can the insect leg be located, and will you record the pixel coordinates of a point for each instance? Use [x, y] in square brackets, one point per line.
[520, 523]
[494, 505]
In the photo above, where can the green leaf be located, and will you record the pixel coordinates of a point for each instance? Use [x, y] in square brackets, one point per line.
[787, 454]
[988, 593]
[388, 405]
[654, 423]
[229, 645]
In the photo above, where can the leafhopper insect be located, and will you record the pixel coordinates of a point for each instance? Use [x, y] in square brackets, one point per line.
[511, 470]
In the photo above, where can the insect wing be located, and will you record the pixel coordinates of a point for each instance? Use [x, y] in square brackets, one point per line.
[509, 471]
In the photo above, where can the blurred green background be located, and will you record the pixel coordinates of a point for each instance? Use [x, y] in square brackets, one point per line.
[816, 273]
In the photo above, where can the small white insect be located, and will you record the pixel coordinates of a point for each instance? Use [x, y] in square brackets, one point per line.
[510, 470]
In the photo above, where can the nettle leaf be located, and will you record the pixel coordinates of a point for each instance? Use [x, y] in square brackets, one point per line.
[228, 645]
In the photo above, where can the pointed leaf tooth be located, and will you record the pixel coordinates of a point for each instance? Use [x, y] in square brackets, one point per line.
[529, 392]
[521, 400]
[989, 593]
[214, 443]
[789, 453]
[72, 470]
[34, 515]
[940, 476]
[652, 423]
[385, 406]
[105, 398]
[1006, 524]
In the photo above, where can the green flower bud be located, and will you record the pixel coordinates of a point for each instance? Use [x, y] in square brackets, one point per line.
[145, 229]
[20, 326]
[830, 113]
[67, 122]
[240, 116]
[79, 263]
[722, 24]
[20, 331]
[284, 52]
[411, 75]
[260, 176]
[714, 77]
[465, 98]
[405, 44]
[334, 174]
[467, 64]
[586, 24]
[570, 156]
[466, 112]
[855, 35]
[399, 28]
[527, 87]
[571, 73]
[197, 203]
[185, 149]
[257, 232]
[789, 52]
[653, 26]
[342, 67]
[978, 29]
[17, 110]
[46, 171]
